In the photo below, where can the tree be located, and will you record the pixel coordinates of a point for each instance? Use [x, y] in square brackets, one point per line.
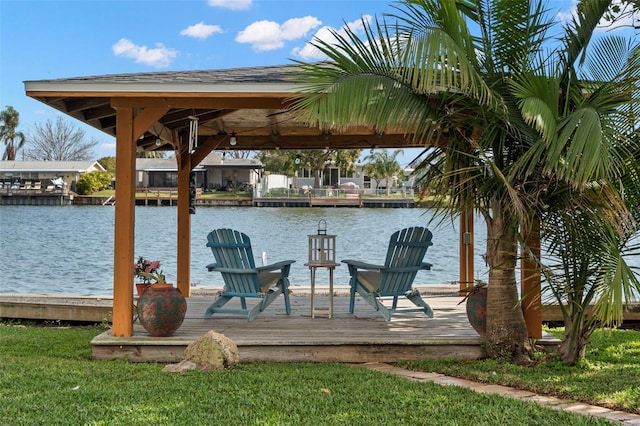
[92, 182]
[586, 116]
[240, 154]
[12, 139]
[381, 166]
[59, 140]
[589, 267]
[109, 164]
[471, 98]
[150, 154]
[288, 161]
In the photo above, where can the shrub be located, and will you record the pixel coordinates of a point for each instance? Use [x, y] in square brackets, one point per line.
[93, 182]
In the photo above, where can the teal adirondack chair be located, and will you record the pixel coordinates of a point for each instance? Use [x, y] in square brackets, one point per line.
[234, 260]
[406, 251]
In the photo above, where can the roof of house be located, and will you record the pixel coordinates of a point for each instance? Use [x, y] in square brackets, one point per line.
[49, 166]
[169, 164]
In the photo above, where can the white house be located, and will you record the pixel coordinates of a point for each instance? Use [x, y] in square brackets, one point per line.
[42, 174]
[215, 172]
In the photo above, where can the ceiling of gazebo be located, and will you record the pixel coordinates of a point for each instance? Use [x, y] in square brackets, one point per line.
[248, 102]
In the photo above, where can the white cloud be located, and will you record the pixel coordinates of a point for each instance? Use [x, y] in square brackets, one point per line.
[625, 22]
[310, 52]
[159, 57]
[107, 149]
[325, 34]
[231, 4]
[201, 30]
[269, 35]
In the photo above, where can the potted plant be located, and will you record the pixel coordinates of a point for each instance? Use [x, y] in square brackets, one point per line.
[147, 270]
[476, 307]
[161, 307]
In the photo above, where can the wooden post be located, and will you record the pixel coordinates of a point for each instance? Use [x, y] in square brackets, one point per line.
[530, 283]
[467, 270]
[184, 220]
[129, 129]
[124, 225]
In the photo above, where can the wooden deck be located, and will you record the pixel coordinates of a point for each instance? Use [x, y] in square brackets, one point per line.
[274, 336]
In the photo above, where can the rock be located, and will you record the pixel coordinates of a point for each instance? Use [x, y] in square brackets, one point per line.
[212, 351]
[180, 367]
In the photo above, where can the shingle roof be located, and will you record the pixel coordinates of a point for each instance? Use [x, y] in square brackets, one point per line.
[264, 74]
[47, 166]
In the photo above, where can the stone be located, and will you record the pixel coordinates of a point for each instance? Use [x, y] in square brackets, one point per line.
[212, 351]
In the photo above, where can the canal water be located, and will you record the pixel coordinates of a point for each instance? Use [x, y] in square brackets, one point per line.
[69, 250]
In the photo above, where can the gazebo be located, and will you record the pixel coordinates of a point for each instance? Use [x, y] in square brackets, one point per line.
[195, 112]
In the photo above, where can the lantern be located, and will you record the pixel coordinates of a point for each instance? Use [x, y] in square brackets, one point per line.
[322, 247]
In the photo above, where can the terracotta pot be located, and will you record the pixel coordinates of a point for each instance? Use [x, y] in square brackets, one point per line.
[477, 309]
[161, 309]
[141, 287]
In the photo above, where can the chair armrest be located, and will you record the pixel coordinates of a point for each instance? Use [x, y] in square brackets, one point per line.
[213, 267]
[275, 266]
[426, 266]
[406, 269]
[363, 265]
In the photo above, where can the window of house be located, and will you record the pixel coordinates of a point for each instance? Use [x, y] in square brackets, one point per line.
[306, 173]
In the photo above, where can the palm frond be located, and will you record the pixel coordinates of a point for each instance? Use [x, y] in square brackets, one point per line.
[538, 102]
[577, 36]
[516, 30]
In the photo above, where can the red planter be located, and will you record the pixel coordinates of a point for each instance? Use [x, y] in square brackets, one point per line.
[161, 309]
[477, 309]
[141, 287]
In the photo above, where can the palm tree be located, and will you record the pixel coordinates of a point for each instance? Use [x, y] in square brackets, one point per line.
[586, 114]
[13, 140]
[462, 95]
[290, 161]
[380, 165]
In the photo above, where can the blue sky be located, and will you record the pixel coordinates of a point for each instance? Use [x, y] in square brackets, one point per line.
[56, 39]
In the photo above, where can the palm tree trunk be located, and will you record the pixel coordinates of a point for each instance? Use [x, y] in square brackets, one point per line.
[576, 337]
[506, 330]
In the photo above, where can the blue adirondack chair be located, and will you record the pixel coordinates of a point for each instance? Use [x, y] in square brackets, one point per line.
[234, 260]
[406, 251]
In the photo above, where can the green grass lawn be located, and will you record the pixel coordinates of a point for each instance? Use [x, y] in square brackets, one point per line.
[609, 377]
[47, 377]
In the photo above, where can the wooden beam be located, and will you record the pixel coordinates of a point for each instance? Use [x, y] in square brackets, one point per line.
[531, 283]
[93, 114]
[145, 119]
[184, 219]
[80, 104]
[124, 225]
[203, 149]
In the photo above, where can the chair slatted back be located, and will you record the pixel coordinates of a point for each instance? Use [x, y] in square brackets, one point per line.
[232, 249]
[407, 248]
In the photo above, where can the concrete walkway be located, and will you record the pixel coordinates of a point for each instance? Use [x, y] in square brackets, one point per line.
[614, 416]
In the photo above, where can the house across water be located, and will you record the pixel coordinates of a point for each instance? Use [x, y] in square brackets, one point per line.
[42, 182]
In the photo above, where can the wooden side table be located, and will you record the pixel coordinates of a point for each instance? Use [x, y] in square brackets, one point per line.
[330, 266]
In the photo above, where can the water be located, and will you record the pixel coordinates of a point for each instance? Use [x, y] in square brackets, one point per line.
[69, 250]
